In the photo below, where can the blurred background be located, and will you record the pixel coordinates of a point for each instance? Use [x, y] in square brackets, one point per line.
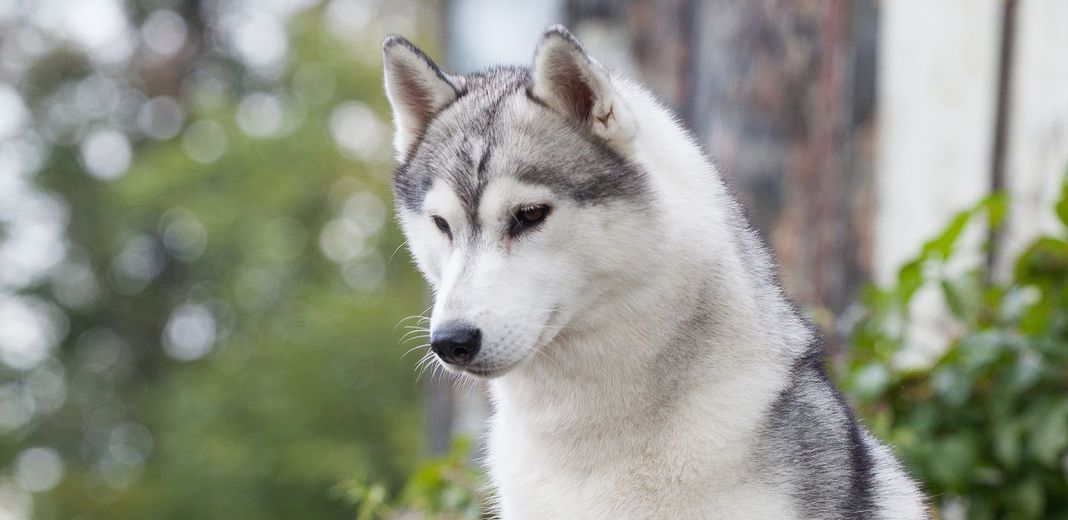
[204, 297]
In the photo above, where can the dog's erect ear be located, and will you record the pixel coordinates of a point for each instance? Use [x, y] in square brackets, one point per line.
[417, 89]
[570, 82]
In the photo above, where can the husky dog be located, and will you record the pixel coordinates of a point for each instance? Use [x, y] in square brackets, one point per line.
[588, 261]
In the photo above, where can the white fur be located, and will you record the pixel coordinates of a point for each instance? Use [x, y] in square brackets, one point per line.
[896, 493]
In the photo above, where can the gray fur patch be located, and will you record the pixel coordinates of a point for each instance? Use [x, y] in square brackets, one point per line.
[813, 445]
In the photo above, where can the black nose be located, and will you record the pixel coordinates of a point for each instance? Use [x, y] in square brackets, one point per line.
[456, 344]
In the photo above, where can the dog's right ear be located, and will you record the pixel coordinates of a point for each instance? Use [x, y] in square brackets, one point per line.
[417, 90]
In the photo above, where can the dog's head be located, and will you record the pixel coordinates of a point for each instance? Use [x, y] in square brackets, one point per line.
[517, 198]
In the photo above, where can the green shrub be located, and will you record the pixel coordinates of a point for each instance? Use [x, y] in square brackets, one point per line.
[447, 488]
[985, 427]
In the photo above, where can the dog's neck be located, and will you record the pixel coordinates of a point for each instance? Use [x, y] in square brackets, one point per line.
[639, 384]
[615, 368]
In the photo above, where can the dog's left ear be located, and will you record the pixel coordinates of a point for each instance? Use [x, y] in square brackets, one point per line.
[417, 89]
[572, 83]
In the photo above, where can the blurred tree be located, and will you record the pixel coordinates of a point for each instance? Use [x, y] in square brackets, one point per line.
[218, 317]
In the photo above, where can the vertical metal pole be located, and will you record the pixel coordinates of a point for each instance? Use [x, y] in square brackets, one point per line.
[1001, 123]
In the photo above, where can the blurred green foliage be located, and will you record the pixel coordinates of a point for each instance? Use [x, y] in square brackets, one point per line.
[303, 383]
[302, 395]
[985, 427]
[447, 488]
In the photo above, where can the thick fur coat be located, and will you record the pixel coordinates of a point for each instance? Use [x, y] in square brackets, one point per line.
[587, 259]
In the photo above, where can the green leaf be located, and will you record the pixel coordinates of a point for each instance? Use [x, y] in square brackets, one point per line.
[997, 207]
[1008, 445]
[1029, 498]
[372, 503]
[942, 245]
[963, 296]
[952, 385]
[1050, 436]
[909, 279]
[956, 459]
[1046, 260]
[870, 380]
[980, 350]
[1026, 371]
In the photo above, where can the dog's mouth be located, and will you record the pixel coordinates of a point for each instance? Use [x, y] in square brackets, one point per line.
[480, 370]
[490, 371]
[486, 373]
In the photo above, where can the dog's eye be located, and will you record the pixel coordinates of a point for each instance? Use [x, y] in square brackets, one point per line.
[442, 225]
[527, 218]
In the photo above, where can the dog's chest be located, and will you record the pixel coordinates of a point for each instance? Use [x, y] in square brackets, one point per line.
[538, 480]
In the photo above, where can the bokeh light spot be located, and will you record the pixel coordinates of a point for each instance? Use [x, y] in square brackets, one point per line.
[138, 263]
[204, 141]
[106, 153]
[130, 443]
[260, 115]
[16, 407]
[74, 285]
[343, 240]
[366, 210]
[190, 332]
[164, 32]
[32, 327]
[47, 386]
[15, 502]
[365, 273]
[39, 469]
[99, 348]
[161, 118]
[13, 113]
[260, 42]
[356, 131]
[184, 236]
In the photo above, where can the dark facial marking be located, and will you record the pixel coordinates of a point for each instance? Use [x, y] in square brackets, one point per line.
[463, 145]
[445, 149]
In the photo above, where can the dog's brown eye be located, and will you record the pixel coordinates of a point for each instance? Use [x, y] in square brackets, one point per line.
[528, 217]
[442, 225]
